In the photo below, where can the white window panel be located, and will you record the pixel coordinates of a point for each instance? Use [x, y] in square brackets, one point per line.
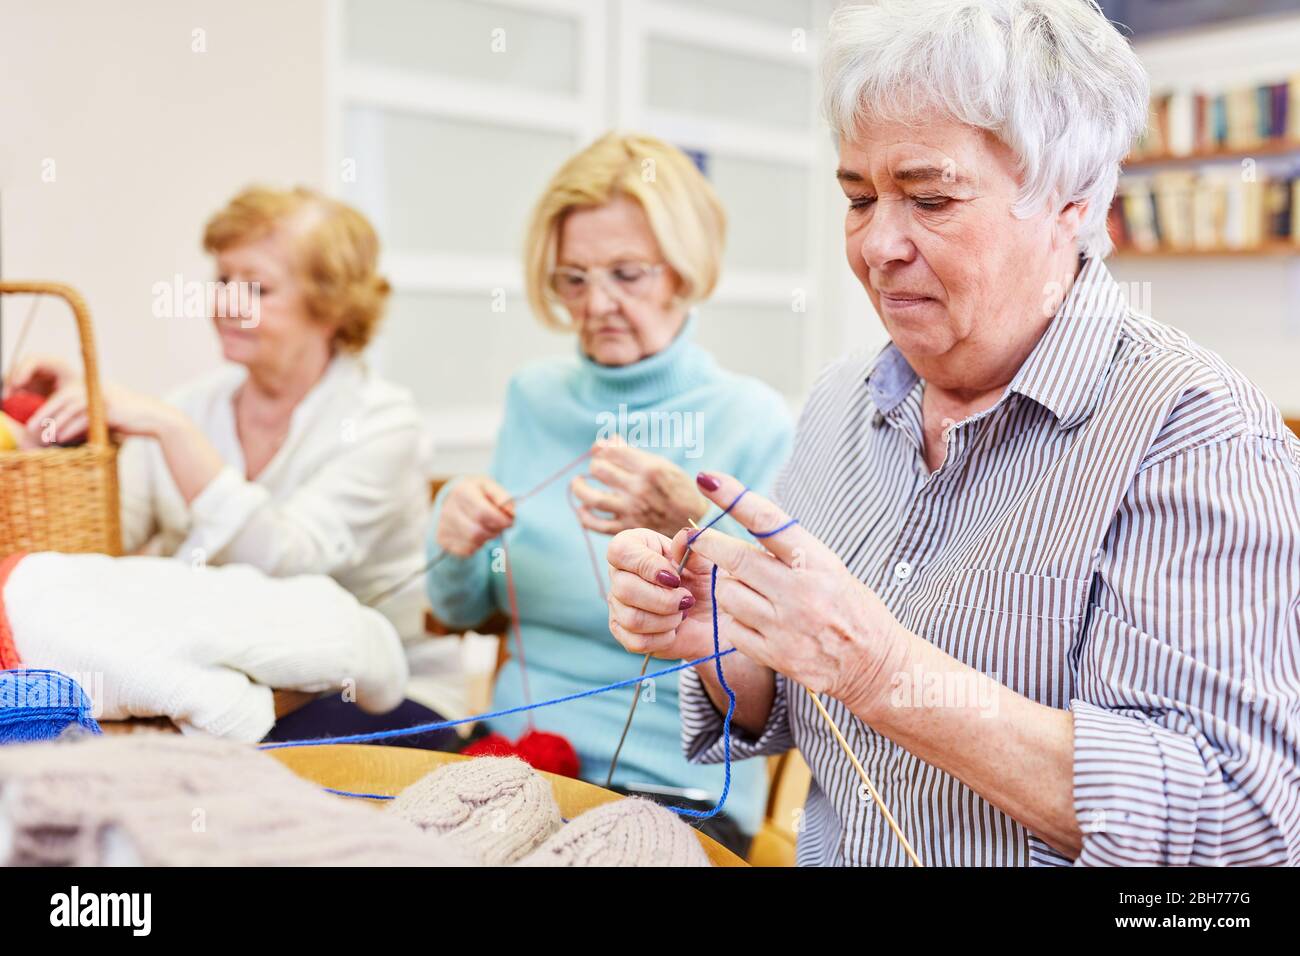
[791, 13]
[766, 342]
[456, 37]
[455, 353]
[704, 81]
[433, 184]
[767, 212]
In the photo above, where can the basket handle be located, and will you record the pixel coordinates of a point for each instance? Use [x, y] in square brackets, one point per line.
[97, 430]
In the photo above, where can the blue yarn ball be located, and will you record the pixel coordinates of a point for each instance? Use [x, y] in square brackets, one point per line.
[41, 705]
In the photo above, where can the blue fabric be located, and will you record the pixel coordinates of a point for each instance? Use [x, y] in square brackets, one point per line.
[41, 705]
[554, 411]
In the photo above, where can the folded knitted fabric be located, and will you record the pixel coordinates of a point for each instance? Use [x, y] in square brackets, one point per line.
[164, 800]
[41, 705]
[200, 645]
[630, 832]
[495, 808]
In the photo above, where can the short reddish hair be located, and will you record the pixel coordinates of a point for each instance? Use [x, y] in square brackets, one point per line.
[338, 254]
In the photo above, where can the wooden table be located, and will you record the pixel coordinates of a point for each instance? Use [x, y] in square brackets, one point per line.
[362, 768]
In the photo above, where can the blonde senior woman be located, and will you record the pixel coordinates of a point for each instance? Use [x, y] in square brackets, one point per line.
[1047, 572]
[625, 240]
[293, 458]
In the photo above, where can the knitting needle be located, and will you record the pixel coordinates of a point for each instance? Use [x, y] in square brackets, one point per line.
[844, 745]
[645, 663]
[418, 573]
[429, 565]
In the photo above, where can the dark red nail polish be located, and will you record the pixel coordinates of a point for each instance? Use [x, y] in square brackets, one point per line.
[668, 579]
[707, 482]
[688, 602]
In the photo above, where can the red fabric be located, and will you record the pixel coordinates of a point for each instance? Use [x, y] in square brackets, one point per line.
[9, 658]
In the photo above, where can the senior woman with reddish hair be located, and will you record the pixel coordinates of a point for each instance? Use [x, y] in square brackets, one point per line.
[293, 456]
[1047, 575]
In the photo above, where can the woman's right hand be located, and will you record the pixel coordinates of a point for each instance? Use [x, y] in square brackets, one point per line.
[42, 374]
[652, 608]
[474, 512]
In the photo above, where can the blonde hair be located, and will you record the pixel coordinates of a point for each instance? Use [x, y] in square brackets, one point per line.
[337, 260]
[684, 213]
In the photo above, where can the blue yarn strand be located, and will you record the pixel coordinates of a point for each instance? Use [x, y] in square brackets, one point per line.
[775, 531]
[444, 724]
[718, 517]
[359, 796]
[717, 656]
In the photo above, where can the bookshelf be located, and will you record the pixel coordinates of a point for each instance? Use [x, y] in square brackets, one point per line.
[1242, 303]
[1266, 250]
[1268, 147]
[1199, 204]
[1217, 173]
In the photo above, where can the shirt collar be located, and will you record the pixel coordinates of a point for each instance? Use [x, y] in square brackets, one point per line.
[1067, 368]
[1064, 372]
[890, 378]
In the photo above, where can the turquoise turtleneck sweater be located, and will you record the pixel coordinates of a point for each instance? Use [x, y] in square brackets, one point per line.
[709, 420]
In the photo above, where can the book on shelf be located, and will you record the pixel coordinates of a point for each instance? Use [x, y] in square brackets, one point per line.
[1211, 209]
[1188, 122]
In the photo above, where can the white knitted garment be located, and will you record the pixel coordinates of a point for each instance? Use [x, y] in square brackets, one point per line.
[628, 832]
[151, 637]
[495, 808]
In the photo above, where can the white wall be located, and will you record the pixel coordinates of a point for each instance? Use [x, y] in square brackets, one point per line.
[147, 138]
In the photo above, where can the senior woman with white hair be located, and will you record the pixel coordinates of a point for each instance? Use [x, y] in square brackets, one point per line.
[1047, 575]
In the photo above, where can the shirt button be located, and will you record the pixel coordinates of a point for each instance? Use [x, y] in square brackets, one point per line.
[902, 571]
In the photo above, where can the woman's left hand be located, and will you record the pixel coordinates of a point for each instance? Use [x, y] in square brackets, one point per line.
[642, 490]
[65, 418]
[797, 609]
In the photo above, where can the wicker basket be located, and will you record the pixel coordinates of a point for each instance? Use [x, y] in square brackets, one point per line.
[63, 499]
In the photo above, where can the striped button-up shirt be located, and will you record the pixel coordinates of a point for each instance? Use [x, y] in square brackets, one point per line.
[1118, 536]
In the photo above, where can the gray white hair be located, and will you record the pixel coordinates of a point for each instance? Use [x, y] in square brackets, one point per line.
[1052, 79]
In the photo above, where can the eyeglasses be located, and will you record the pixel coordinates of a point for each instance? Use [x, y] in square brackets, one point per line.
[634, 279]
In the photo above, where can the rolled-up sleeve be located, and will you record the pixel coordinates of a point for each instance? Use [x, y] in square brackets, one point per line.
[1186, 707]
[702, 725]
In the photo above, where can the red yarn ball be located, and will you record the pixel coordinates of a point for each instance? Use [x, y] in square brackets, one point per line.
[22, 405]
[493, 745]
[549, 752]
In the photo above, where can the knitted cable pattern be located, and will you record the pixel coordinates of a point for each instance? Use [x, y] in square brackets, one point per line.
[628, 832]
[497, 809]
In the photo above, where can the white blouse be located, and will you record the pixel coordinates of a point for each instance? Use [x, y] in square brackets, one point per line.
[346, 494]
